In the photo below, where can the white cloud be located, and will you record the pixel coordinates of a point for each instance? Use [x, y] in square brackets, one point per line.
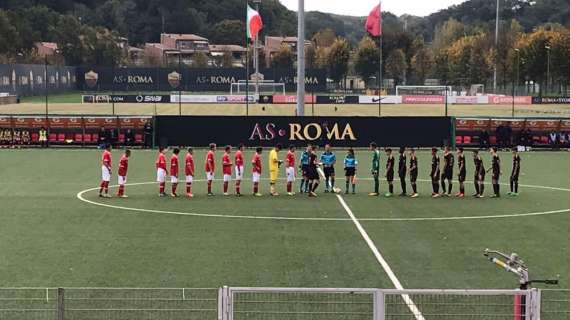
[363, 7]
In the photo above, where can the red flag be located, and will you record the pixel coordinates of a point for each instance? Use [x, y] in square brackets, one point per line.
[374, 22]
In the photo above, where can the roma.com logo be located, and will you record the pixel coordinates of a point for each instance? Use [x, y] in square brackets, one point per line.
[303, 132]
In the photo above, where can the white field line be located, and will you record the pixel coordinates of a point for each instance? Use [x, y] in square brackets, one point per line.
[485, 217]
[409, 302]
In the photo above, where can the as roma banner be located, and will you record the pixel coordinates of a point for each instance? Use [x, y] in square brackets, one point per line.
[268, 131]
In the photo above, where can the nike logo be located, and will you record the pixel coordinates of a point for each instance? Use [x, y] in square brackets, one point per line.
[378, 99]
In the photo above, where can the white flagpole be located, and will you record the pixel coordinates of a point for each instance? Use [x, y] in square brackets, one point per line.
[301, 59]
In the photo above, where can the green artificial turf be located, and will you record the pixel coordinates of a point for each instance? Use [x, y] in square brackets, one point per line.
[49, 238]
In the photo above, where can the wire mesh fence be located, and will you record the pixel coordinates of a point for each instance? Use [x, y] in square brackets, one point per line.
[280, 304]
[283, 304]
[555, 304]
[28, 304]
[456, 305]
[377, 304]
[109, 304]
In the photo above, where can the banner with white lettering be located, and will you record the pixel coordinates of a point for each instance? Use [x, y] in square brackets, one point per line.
[268, 131]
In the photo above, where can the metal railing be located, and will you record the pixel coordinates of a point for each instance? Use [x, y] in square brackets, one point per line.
[239, 303]
[109, 303]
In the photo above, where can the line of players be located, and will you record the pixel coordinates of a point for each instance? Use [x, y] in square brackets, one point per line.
[309, 167]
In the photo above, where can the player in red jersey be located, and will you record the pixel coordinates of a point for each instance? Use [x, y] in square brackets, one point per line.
[105, 172]
[161, 171]
[239, 168]
[290, 169]
[227, 168]
[189, 171]
[174, 171]
[122, 173]
[210, 167]
[256, 171]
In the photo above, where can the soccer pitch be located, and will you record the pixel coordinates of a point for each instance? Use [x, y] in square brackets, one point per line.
[49, 237]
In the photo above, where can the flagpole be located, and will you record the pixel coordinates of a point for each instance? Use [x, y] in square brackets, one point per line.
[246, 65]
[301, 59]
[380, 70]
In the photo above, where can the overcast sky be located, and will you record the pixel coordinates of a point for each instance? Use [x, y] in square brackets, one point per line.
[363, 7]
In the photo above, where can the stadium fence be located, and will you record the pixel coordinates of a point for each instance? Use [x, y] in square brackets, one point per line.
[240, 303]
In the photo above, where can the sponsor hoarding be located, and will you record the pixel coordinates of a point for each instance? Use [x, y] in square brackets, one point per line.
[140, 98]
[268, 131]
[337, 99]
[509, 100]
[281, 99]
[551, 100]
[385, 99]
[423, 99]
[468, 99]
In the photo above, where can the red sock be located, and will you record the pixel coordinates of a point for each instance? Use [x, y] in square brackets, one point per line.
[106, 186]
[237, 187]
[209, 186]
[162, 187]
[121, 190]
[289, 186]
[188, 188]
[255, 187]
[102, 186]
[225, 187]
[174, 186]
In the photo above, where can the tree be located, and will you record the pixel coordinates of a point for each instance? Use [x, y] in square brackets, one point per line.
[227, 60]
[422, 65]
[324, 38]
[534, 54]
[367, 60]
[200, 60]
[103, 48]
[448, 33]
[8, 35]
[396, 65]
[283, 59]
[322, 58]
[68, 36]
[310, 56]
[228, 32]
[338, 57]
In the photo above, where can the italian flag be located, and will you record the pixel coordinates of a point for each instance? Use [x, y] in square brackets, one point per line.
[254, 23]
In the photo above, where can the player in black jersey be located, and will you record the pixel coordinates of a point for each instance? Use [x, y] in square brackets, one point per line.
[462, 173]
[312, 172]
[390, 172]
[515, 173]
[479, 177]
[496, 169]
[402, 170]
[414, 172]
[448, 163]
[435, 173]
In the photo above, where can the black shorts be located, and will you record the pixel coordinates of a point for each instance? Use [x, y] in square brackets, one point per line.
[435, 176]
[480, 179]
[402, 175]
[447, 174]
[329, 171]
[496, 176]
[515, 177]
[304, 169]
[349, 172]
[413, 176]
[312, 173]
[390, 176]
[462, 176]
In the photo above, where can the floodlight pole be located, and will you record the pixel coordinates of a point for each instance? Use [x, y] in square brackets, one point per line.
[496, 49]
[548, 84]
[301, 59]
